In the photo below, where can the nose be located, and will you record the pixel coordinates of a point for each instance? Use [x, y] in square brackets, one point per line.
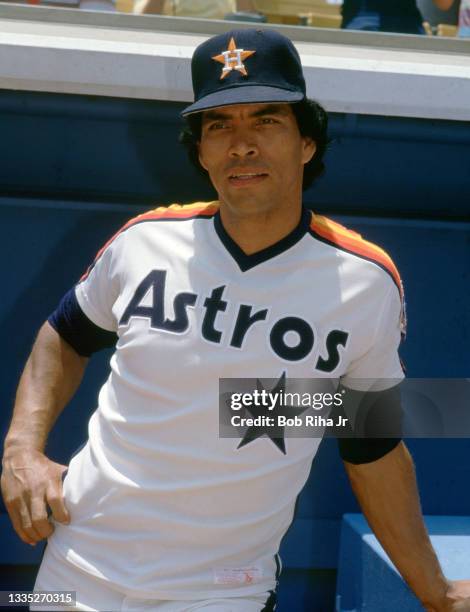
[243, 144]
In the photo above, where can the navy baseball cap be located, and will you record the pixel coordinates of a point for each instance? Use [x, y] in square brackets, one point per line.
[243, 67]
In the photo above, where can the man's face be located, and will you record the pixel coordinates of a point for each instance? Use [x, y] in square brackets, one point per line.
[255, 155]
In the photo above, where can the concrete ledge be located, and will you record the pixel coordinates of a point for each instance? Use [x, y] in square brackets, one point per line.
[367, 579]
[120, 61]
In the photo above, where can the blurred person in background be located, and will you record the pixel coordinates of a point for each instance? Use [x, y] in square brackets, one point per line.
[86, 5]
[401, 16]
[464, 15]
[464, 19]
[208, 9]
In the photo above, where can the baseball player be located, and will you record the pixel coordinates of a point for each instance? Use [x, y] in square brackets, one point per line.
[156, 511]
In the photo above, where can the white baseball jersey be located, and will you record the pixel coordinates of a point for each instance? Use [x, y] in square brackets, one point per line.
[160, 505]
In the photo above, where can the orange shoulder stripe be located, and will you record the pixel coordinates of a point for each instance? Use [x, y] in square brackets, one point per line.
[174, 211]
[349, 240]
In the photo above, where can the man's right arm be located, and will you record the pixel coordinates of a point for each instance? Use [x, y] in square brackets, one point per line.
[30, 482]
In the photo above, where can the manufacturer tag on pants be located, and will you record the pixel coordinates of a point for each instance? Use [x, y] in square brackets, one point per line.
[237, 575]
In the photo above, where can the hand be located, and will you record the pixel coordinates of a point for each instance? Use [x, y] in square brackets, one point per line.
[457, 598]
[30, 484]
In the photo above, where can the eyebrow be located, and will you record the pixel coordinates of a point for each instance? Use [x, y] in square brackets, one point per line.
[270, 109]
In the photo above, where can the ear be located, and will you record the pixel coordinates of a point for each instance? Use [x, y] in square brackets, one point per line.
[309, 148]
[199, 153]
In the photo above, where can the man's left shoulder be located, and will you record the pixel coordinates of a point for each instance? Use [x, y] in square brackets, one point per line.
[354, 246]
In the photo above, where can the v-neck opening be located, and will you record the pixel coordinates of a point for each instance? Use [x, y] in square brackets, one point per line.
[244, 261]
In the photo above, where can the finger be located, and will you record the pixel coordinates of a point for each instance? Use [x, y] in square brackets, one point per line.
[39, 519]
[56, 502]
[27, 524]
[15, 518]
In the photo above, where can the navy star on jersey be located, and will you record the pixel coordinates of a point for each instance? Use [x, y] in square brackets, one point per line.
[274, 432]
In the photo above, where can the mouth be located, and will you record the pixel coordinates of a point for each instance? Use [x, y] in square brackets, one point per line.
[245, 178]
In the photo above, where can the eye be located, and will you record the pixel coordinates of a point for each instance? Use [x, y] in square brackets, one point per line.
[217, 125]
[267, 120]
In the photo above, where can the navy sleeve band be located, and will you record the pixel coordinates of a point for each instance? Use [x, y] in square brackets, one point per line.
[72, 324]
[365, 450]
[378, 425]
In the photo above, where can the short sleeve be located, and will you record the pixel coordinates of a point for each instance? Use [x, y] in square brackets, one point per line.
[376, 412]
[98, 289]
[380, 368]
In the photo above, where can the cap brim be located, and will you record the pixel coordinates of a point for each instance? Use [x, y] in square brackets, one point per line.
[247, 94]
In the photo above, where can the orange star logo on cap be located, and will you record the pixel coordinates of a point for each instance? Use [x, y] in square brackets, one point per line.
[233, 59]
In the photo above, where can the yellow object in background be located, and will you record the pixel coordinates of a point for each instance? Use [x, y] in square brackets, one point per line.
[125, 6]
[295, 7]
[445, 29]
[206, 9]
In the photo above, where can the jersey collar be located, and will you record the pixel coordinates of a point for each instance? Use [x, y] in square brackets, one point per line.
[244, 261]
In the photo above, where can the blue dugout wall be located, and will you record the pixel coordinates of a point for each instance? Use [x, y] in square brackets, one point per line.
[74, 168]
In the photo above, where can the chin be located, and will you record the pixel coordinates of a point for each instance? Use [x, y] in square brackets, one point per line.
[248, 203]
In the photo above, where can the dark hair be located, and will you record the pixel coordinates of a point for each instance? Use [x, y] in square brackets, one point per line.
[311, 119]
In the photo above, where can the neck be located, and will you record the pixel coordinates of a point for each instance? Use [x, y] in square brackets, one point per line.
[254, 232]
